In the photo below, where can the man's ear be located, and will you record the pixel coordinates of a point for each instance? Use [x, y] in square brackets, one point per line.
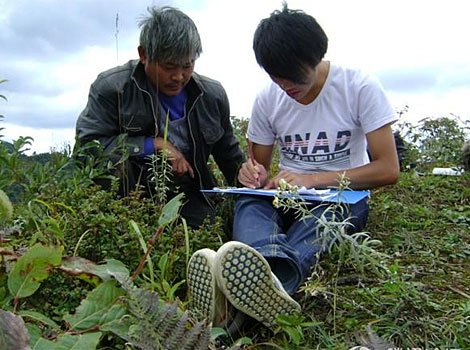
[142, 54]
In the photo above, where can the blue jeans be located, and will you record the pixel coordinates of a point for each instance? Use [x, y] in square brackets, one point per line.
[290, 245]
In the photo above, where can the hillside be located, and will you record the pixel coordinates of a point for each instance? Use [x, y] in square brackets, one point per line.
[84, 269]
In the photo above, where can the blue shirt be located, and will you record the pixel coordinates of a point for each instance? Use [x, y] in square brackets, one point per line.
[174, 105]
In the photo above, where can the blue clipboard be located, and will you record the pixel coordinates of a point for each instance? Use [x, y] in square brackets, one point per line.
[330, 195]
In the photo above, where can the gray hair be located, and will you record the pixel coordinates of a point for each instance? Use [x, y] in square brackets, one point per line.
[169, 35]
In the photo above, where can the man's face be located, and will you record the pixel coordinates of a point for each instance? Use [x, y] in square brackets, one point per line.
[168, 77]
[299, 91]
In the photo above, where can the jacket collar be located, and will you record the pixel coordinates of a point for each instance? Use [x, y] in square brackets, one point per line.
[138, 74]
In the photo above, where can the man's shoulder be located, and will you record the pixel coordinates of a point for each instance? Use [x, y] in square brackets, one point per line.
[117, 75]
[350, 76]
[271, 96]
[207, 84]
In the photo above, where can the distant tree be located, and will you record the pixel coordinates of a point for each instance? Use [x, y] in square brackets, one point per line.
[8, 146]
[466, 156]
[41, 158]
[435, 142]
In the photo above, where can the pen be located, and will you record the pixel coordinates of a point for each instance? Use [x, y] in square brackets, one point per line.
[250, 147]
[252, 157]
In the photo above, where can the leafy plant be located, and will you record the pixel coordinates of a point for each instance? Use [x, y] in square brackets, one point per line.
[6, 209]
[32, 268]
[13, 332]
[161, 169]
[14, 172]
[115, 306]
[410, 290]
[294, 327]
[158, 325]
[435, 142]
[170, 213]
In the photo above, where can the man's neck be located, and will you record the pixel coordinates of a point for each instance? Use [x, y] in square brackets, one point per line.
[321, 71]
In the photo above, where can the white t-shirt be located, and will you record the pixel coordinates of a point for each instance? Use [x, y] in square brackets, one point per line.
[329, 133]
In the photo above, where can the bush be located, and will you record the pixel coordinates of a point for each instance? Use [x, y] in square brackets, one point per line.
[434, 142]
[57, 210]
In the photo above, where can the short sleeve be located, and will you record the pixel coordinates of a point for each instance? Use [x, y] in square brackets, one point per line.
[374, 108]
[259, 126]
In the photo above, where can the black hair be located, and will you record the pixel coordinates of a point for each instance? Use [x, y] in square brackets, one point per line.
[287, 42]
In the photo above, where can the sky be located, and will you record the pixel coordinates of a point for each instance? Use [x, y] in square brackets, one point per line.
[52, 50]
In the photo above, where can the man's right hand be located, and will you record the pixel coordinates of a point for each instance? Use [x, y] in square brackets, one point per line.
[252, 174]
[179, 163]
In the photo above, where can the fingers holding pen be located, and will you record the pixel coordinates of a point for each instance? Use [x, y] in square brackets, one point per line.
[254, 168]
[252, 174]
[248, 175]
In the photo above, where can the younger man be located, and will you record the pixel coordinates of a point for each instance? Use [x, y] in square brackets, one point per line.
[324, 119]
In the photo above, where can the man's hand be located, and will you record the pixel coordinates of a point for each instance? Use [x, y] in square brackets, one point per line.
[252, 174]
[291, 178]
[179, 164]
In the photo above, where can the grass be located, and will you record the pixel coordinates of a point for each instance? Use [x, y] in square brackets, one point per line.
[405, 285]
[422, 300]
[411, 291]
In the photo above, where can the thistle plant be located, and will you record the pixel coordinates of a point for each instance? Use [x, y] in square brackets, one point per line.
[160, 175]
[161, 169]
[357, 249]
[287, 197]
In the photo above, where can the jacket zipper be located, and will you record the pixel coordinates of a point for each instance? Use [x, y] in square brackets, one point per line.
[190, 131]
[195, 150]
[155, 117]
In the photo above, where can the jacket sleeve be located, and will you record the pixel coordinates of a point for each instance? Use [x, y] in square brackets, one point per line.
[226, 151]
[100, 120]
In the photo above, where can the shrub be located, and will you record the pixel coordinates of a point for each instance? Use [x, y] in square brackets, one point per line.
[434, 142]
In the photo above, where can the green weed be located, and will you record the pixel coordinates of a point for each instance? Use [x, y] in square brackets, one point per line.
[404, 282]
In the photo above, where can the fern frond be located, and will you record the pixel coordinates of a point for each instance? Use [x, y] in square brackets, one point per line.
[161, 325]
[168, 320]
[203, 340]
[173, 338]
[196, 331]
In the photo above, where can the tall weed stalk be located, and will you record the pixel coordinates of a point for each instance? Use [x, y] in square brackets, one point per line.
[356, 250]
[161, 169]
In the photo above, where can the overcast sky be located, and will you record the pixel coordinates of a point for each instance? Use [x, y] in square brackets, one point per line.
[52, 50]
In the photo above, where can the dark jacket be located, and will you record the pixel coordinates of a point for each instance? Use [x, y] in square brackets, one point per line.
[120, 106]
